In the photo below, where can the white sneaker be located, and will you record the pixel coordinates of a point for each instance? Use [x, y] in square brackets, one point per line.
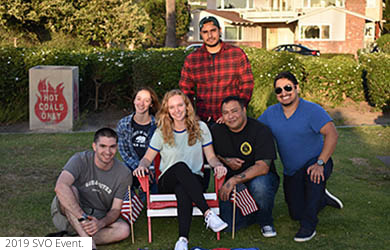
[181, 244]
[214, 222]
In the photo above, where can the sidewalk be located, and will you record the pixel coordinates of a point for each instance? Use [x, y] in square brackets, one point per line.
[343, 118]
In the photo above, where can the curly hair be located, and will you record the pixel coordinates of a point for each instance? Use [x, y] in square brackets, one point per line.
[166, 124]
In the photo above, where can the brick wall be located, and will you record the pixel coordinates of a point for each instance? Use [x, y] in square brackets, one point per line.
[358, 6]
[354, 37]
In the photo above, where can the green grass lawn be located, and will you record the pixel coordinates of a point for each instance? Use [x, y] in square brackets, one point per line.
[30, 164]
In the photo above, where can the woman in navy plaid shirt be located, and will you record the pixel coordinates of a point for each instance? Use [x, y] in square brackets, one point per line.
[136, 130]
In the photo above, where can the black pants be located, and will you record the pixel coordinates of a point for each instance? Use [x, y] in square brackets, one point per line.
[304, 198]
[188, 189]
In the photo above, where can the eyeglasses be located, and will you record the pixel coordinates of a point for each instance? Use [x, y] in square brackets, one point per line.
[287, 88]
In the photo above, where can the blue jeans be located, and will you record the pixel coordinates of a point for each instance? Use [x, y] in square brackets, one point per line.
[304, 198]
[263, 190]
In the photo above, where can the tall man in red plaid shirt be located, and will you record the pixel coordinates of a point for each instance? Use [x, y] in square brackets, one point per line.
[215, 71]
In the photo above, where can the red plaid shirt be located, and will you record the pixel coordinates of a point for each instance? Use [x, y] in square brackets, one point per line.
[211, 80]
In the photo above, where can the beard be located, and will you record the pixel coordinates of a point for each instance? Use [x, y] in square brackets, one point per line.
[213, 45]
[287, 104]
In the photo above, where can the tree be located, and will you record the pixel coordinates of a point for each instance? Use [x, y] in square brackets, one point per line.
[170, 17]
[114, 22]
[26, 17]
[124, 23]
[157, 28]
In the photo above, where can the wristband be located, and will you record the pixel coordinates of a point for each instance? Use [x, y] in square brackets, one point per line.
[83, 217]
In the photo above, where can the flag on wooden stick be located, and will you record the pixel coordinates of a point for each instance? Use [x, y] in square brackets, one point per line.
[244, 200]
[136, 207]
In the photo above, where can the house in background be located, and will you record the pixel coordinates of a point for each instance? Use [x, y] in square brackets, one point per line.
[332, 26]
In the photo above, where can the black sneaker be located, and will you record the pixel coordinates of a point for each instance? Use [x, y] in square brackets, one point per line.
[332, 200]
[304, 235]
[268, 231]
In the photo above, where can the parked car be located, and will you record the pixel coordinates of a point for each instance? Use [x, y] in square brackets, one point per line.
[375, 49]
[194, 46]
[297, 48]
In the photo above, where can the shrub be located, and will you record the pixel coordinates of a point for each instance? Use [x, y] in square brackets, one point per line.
[158, 68]
[384, 43]
[109, 77]
[13, 85]
[332, 80]
[265, 67]
[376, 66]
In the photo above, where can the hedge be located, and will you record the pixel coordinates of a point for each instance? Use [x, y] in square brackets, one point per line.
[332, 80]
[109, 77]
[377, 78]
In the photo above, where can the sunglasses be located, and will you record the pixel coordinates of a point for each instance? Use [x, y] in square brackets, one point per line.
[287, 88]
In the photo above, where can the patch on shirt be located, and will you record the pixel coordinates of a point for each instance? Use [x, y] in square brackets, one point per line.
[246, 148]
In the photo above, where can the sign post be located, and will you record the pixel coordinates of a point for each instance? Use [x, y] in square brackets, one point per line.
[54, 97]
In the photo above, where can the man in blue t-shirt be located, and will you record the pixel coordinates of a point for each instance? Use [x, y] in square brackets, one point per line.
[306, 138]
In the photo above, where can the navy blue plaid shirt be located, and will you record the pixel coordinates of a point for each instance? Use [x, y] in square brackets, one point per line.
[126, 149]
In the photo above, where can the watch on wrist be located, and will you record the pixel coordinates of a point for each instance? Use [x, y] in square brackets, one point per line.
[320, 163]
[83, 217]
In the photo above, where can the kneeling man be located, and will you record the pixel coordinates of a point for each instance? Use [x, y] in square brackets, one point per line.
[306, 139]
[90, 190]
[247, 148]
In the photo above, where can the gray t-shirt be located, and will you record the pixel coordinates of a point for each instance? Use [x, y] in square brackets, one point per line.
[181, 151]
[98, 188]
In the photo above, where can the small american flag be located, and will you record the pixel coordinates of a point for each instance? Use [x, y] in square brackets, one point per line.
[244, 200]
[136, 205]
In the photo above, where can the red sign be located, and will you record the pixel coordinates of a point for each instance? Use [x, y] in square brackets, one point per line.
[51, 105]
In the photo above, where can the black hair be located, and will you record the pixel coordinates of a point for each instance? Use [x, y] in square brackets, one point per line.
[107, 132]
[286, 75]
[209, 19]
[233, 98]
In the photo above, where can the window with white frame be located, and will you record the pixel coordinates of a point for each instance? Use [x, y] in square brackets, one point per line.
[323, 3]
[314, 32]
[370, 3]
[234, 4]
[369, 30]
[233, 33]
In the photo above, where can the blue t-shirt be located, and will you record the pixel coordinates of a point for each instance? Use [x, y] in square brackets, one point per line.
[298, 138]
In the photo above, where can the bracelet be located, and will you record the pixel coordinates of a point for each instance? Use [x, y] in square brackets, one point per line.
[83, 217]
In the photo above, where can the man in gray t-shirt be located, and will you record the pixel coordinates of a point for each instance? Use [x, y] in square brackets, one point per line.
[90, 190]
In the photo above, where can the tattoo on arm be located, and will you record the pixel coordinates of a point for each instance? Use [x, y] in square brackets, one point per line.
[242, 175]
[268, 162]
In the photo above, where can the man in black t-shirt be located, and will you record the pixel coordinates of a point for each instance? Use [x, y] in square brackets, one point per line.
[246, 148]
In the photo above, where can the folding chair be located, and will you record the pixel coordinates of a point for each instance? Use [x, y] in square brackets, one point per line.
[165, 205]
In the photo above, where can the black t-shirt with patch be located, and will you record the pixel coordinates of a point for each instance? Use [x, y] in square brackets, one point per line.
[139, 138]
[255, 142]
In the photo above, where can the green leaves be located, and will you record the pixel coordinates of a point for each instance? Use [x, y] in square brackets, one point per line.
[376, 66]
[115, 23]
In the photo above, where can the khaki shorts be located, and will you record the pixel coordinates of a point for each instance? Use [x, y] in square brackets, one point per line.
[59, 220]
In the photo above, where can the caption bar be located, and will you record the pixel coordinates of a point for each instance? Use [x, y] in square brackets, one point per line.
[46, 243]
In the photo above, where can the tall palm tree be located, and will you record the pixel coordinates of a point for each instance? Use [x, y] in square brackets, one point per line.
[170, 18]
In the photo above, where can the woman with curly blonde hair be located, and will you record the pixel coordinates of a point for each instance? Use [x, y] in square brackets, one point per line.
[181, 141]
